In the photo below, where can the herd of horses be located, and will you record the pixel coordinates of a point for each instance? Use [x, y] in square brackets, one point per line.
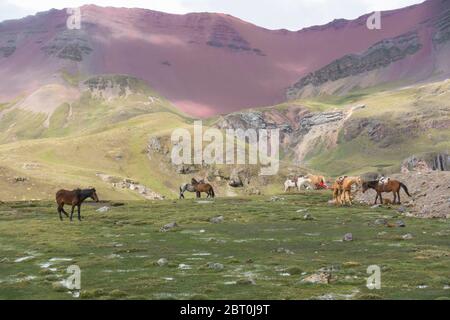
[342, 191]
[343, 186]
[198, 187]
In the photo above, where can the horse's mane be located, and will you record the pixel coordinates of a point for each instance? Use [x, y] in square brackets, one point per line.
[372, 183]
[79, 191]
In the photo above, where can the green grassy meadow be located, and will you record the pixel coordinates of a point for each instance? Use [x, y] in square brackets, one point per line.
[265, 247]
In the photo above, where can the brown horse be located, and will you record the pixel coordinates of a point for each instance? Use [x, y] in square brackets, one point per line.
[337, 190]
[74, 198]
[317, 181]
[200, 187]
[347, 183]
[393, 186]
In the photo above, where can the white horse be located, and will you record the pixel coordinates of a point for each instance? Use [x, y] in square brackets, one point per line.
[288, 184]
[301, 182]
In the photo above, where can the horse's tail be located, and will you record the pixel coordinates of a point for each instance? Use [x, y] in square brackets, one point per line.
[405, 188]
[212, 192]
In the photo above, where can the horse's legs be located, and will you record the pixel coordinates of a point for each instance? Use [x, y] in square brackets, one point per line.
[398, 196]
[64, 211]
[71, 214]
[376, 199]
[79, 212]
[59, 212]
[395, 197]
[381, 198]
[199, 195]
[344, 197]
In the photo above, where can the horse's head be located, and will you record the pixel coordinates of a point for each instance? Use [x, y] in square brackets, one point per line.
[365, 187]
[94, 195]
[193, 181]
[359, 181]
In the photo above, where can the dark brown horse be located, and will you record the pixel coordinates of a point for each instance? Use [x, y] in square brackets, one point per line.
[200, 187]
[74, 198]
[393, 186]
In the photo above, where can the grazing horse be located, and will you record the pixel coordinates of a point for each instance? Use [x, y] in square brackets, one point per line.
[288, 184]
[74, 198]
[203, 187]
[317, 181]
[337, 190]
[302, 181]
[347, 183]
[393, 186]
[189, 187]
[298, 183]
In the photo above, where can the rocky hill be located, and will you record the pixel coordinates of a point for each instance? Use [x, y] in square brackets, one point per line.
[208, 64]
[401, 60]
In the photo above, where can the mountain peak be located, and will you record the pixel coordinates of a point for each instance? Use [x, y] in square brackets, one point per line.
[204, 63]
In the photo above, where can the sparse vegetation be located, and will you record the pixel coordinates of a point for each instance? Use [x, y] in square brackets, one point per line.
[117, 251]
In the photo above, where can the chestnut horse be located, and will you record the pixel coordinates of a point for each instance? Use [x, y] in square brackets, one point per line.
[347, 183]
[73, 198]
[203, 187]
[393, 186]
[337, 190]
[188, 187]
[317, 181]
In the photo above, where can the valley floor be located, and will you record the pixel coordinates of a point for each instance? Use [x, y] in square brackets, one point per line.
[263, 249]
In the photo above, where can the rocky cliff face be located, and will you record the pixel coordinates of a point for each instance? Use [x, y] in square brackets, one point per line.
[300, 129]
[442, 26]
[427, 162]
[113, 86]
[378, 56]
[68, 44]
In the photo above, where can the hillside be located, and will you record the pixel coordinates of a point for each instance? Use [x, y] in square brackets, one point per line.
[208, 64]
[364, 132]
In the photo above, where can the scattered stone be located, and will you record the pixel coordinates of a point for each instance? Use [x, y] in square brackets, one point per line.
[376, 206]
[308, 217]
[283, 250]
[400, 224]
[381, 222]
[168, 227]
[247, 281]
[407, 236]
[302, 210]
[275, 199]
[218, 219]
[348, 237]
[215, 266]
[422, 286]
[103, 209]
[402, 209]
[318, 278]
[162, 262]
[183, 266]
